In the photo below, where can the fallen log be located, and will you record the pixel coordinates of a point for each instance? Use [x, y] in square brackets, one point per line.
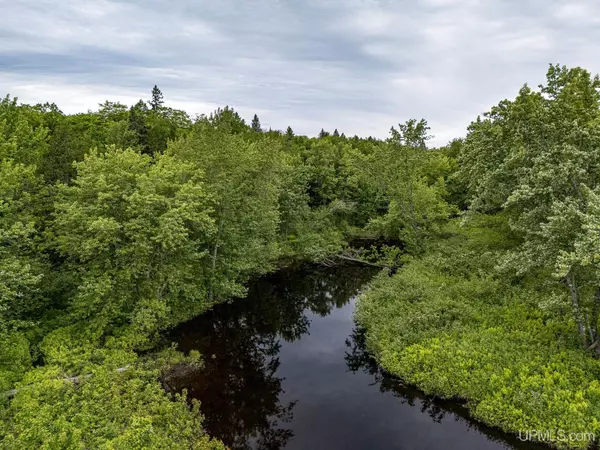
[361, 261]
[329, 262]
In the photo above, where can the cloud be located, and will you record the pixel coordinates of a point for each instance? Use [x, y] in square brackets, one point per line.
[357, 65]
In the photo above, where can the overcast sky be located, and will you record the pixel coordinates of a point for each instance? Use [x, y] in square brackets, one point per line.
[357, 65]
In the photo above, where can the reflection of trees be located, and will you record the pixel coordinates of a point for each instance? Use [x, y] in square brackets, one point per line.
[238, 386]
[320, 290]
[359, 358]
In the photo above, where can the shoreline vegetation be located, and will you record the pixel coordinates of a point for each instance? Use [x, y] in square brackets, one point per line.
[449, 324]
[501, 309]
[118, 224]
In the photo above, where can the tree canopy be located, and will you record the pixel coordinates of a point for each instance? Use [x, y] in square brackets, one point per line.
[120, 223]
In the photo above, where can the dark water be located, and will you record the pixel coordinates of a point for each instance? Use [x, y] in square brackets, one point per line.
[287, 368]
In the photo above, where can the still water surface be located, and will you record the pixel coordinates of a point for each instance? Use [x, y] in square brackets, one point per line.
[286, 367]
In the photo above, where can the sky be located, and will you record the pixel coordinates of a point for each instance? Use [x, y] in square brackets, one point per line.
[360, 66]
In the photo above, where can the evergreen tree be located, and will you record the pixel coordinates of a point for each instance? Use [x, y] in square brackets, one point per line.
[336, 133]
[256, 124]
[137, 124]
[323, 133]
[157, 98]
[289, 133]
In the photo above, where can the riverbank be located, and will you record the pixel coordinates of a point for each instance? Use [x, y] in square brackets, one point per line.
[456, 327]
[286, 367]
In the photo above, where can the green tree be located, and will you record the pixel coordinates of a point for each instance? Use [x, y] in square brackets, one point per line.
[138, 124]
[134, 235]
[398, 170]
[289, 133]
[245, 179]
[22, 268]
[113, 111]
[119, 404]
[227, 120]
[23, 137]
[537, 158]
[157, 99]
[71, 137]
[256, 124]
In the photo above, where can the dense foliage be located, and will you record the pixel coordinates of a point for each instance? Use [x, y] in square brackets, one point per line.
[502, 309]
[112, 408]
[451, 324]
[120, 223]
[117, 224]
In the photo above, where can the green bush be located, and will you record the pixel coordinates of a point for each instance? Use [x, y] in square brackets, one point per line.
[110, 407]
[455, 327]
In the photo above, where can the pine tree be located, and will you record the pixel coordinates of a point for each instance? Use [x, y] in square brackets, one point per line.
[137, 123]
[256, 124]
[323, 134]
[289, 133]
[336, 133]
[157, 98]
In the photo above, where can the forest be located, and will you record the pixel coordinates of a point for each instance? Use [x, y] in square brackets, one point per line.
[118, 224]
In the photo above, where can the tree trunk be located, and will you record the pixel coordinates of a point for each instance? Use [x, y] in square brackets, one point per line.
[214, 260]
[594, 316]
[570, 282]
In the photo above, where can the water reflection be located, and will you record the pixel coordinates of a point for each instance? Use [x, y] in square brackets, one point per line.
[358, 359]
[238, 386]
[331, 397]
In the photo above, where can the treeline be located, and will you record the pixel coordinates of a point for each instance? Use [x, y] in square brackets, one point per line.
[502, 309]
[119, 223]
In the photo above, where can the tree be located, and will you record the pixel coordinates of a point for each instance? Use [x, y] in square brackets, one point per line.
[160, 130]
[289, 133]
[536, 158]
[137, 123]
[227, 120]
[21, 268]
[23, 137]
[71, 137]
[157, 99]
[323, 134]
[336, 133]
[106, 408]
[113, 111]
[134, 236]
[245, 180]
[256, 124]
[398, 171]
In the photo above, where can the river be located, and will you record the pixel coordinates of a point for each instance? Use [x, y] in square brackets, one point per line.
[286, 367]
